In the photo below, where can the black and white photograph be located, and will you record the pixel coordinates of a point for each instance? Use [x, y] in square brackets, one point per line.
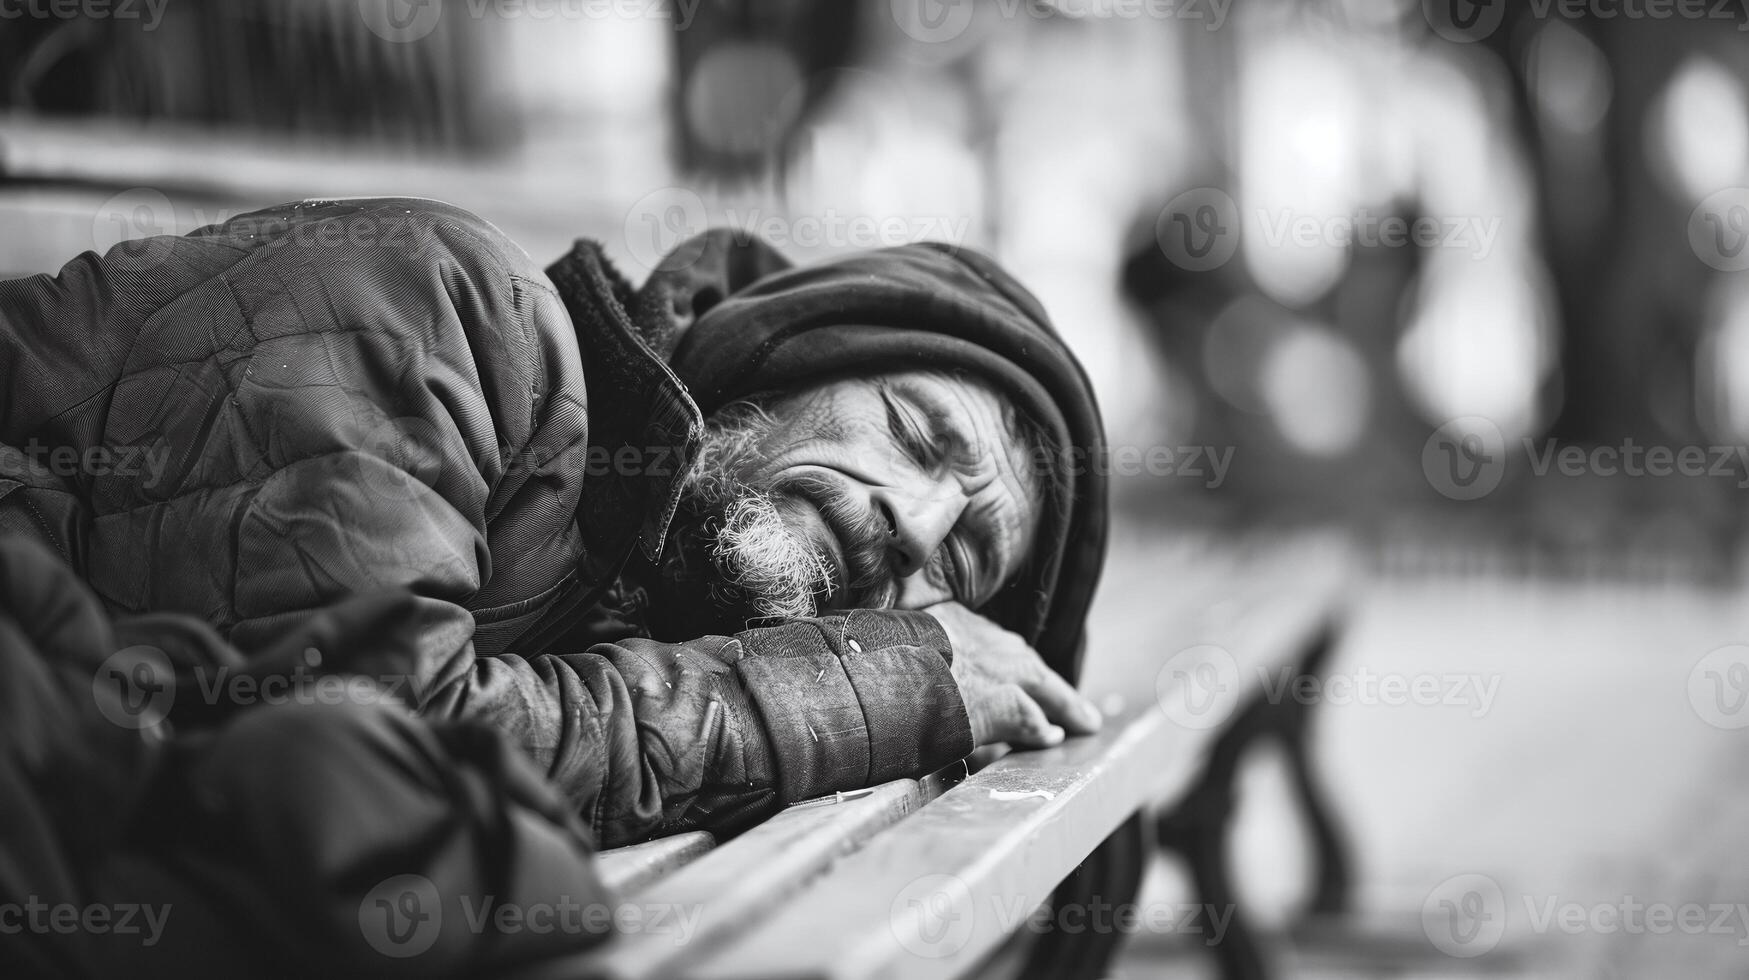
[874, 489]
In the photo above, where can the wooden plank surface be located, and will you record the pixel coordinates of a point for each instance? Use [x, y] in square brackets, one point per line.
[726, 890]
[933, 895]
[628, 869]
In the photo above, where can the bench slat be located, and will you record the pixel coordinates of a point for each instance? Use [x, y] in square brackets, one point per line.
[626, 869]
[730, 888]
[933, 895]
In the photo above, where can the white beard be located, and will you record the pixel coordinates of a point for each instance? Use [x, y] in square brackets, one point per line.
[758, 553]
[763, 562]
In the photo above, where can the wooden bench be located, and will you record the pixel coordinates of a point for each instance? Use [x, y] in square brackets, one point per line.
[929, 878]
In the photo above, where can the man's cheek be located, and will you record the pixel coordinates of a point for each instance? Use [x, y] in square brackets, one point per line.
[921, 590]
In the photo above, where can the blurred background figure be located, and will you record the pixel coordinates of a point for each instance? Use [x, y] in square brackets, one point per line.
[1463, 285]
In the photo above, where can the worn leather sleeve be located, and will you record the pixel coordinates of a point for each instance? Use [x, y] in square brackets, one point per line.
[648, 738]
[856, 699]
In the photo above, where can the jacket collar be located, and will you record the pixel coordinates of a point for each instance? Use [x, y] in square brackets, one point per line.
[638, 411]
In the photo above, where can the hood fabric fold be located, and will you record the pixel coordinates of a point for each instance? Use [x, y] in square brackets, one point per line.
[745, 322]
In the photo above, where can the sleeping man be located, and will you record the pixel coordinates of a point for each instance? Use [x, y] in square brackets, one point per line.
[746, 535]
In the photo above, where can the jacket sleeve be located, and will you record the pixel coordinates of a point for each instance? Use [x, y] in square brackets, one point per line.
[643, 737]
[648, 737]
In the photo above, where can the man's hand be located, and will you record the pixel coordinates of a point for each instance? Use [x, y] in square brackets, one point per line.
[1009, 693]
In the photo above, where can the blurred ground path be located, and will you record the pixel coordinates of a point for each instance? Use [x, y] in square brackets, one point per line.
[1569, 743]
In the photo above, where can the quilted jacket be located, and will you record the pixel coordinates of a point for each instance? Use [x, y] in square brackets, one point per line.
[149, 835]
[325, 400]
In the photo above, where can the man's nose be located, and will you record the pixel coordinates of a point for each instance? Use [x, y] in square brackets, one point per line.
[917, 523]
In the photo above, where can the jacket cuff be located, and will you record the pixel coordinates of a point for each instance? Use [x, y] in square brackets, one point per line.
[855, 700]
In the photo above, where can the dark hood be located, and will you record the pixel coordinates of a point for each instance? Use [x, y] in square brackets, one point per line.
[747, 322]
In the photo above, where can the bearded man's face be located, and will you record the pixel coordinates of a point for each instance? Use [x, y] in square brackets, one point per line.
[897, 490]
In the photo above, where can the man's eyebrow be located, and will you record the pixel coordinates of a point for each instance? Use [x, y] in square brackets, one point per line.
[944, 423]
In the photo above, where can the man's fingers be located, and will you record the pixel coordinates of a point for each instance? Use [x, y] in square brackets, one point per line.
[1027, 725]
[1063, 704]
[1012, 695]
